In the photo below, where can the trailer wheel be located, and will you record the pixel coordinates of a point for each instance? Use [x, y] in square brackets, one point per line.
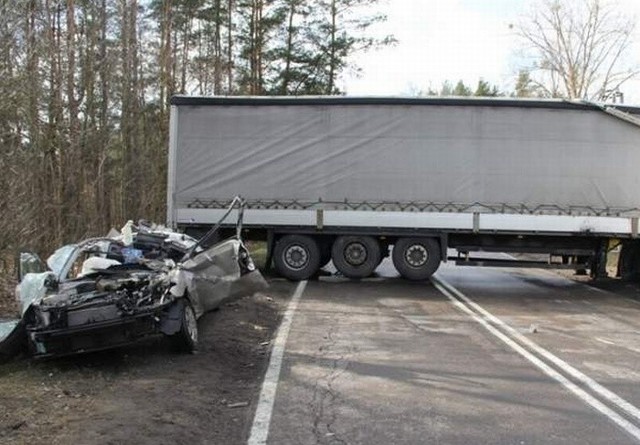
[356, 256]
[297, 257]
[416, 258]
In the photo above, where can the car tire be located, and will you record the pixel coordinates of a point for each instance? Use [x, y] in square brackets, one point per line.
[356, 256]
[186, 339]
[297, 257]
[416, 259]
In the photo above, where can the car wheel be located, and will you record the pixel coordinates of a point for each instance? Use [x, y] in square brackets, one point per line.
[416, 258]
[186, 339]
[356, 256]
[297, 257]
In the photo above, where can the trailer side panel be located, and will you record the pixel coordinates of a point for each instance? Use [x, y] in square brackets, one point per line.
[463, 158]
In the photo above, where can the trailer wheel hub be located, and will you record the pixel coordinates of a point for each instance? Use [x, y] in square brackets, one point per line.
[416, 255]
[296, 257]
[355, 254]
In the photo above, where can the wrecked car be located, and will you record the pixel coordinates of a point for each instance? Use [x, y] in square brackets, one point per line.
[108, 292]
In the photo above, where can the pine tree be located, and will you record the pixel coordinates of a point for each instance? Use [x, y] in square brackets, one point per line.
[461, 89]
[484, 89]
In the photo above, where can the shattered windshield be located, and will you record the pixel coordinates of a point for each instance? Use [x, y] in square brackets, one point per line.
[60, 258]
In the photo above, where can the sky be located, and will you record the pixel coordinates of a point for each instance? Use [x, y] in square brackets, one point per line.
[452, 40]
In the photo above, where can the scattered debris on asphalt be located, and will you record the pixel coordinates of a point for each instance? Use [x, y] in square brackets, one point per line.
[237, 405]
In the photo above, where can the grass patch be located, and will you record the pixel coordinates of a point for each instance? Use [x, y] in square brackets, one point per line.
[258, 251]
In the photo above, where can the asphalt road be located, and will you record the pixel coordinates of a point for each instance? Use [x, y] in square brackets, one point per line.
[478, 356]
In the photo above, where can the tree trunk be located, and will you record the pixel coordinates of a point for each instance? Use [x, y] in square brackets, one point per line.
[230, 66]
[332, 48]
[217, 54]
[286, 75]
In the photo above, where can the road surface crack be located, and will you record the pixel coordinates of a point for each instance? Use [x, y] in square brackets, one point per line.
[325, 396]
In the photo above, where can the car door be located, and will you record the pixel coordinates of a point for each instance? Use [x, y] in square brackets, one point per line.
[213, 273]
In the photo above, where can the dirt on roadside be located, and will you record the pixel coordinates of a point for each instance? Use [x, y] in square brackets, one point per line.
[149, 394]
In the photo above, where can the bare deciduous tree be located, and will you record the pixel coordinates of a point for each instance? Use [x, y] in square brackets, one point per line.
[578, 47]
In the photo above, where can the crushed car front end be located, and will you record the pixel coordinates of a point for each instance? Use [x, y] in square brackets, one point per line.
[111, 309]
[143, 281]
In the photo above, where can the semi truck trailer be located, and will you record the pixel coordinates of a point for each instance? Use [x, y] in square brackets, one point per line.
[485, 182]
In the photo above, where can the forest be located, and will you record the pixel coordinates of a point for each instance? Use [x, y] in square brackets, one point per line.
[86, 86]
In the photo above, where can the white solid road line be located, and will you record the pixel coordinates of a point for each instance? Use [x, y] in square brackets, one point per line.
[566, 367]
[262, 418]
[587, 398]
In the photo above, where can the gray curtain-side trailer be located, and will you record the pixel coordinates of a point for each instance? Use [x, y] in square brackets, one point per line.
[343, 179]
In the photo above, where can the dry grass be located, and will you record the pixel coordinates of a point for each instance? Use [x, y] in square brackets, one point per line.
[258, 252]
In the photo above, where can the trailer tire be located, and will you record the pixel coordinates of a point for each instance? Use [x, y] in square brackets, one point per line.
[356, 256]
[416, 259]
[297, 257]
